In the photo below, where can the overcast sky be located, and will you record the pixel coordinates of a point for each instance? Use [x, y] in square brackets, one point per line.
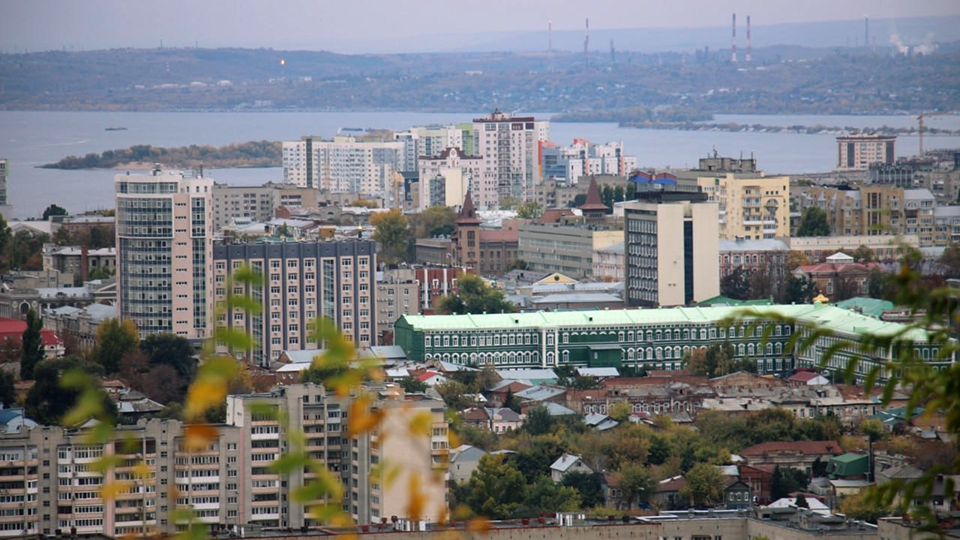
[378, 25]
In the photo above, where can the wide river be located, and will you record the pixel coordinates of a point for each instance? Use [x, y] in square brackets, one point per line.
[29, 139]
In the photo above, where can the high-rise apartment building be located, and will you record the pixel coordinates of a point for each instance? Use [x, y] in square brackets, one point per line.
[511, 147]
[257, 202]
[164, 244]
[429, 141]
[750, 205]
[672, 249]
[301, 282]
[858, 152]
[343, 164]
[583, 158]
[446, 178]
[5, 209]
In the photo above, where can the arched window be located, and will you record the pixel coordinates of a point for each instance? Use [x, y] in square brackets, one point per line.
[676, 352]
[686, 333]
[740, 350]
[650, 353]
[750, 349]
[659, 335]
[620, 336]
[566, 356]
[779, 348]
[659, 353]
[769, 348]
[703, 334]
[668, 336]
[456, 341]
[630, 354]
[649, 335]
[630, 336]
[549, 357]
[667, 353]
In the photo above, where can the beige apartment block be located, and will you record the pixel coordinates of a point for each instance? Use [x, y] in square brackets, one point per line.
[749, 205]
[510, 146]
[164, 245]
[258, 203]
[446, 178]
[858, 152]
[343, 164]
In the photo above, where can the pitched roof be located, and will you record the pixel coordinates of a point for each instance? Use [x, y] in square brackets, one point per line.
[804, 376]
[593, 198]
[793, 447]
[564, 462]
[467, 215]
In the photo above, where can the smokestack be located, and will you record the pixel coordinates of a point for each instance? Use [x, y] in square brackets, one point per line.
[747, 59]
[866, 32]
[613, 53]
[586, 44]
[733, 49]
[549, 36]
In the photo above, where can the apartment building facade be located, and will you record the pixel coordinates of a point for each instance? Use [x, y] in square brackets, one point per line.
[567, 249]
[302, 281]
[343, 164]
[583, 158]
[446, 178]
[420, 141]
[749, 205]
[5, 209]
[753, 255]
[164, 245]
[511, 148]
[858, 152]
[672, 249]
[258, 203]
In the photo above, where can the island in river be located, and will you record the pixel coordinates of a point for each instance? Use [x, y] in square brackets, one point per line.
[232, 156]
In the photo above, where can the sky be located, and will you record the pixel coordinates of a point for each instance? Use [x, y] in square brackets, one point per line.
[383, 26]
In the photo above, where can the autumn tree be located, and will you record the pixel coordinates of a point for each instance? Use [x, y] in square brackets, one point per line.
[115, 338]
[32, 343]
[636, 484]
[392, 234]
[48, 401]
[433, 221]
[529, 210]
[474, 296]
[53, 210]
[704, 486]
[497, 488]
[587, 485]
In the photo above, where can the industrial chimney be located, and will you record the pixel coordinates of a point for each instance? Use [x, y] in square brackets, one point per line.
[733, 50]
[747, 59]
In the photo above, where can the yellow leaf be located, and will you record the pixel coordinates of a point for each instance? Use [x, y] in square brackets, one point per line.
[110, 490]
[421, 424]
[205, 393]
[198, 436]
[416, 498]
[479, 525]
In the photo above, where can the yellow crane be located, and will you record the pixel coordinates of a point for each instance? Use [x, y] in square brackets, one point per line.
[920, 118]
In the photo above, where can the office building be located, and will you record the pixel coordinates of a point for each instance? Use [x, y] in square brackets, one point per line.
[301, 282]
[398, 290]
[858, 152]
[446, 178]
[672, 249]
[258, 203]
[584, 158]
[565, 249]
[5, 209]
[343, 164]
[164, 245]
[511, 148]
[652, 339]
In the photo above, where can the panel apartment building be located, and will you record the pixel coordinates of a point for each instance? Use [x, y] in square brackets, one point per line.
[672, 249]
[446, 178]
[301, 282]
[164, 245]
[343, 164]
[511, 147]
[858, 152]
[51, 483]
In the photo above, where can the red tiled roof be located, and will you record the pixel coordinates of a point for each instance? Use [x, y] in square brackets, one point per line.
[14, 328]
[793, 447]
[593, 201]
[426, 375]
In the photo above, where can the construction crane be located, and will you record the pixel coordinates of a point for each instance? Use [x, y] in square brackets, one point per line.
[920, 118]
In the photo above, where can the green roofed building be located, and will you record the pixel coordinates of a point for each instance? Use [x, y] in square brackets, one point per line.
[848, 466]
[646, 338]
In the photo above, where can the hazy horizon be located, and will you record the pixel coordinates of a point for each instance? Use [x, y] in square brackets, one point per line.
[375, 26]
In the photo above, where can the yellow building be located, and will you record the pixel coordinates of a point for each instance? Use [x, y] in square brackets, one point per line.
[751, 205]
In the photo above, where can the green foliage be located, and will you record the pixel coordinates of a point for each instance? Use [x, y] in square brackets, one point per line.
[704, 487]
[115, 339]
[587, 485]
[718, 359]
[636, 484]
[538, 421]
[172, 358]
[529, 210]
[8, 392]
[546, 496]
[24, 251]
[787, 480]
[49, 401]
[231, 156]
[433, 221]
[800, 290]
[876, 284]
[862, 507]
[32, 340]
[411, 385]
[497, 488]
[801, 501]
[736, 284]
[393, 235]
[454, 395]
[474, 296]
[950, 259]
[813, 222]
[508, 202]
[53, 210]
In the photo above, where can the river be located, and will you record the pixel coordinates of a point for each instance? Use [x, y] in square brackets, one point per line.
[31, 138]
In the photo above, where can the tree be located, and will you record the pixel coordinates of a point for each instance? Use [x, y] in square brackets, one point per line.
[508, 202]
[587, 485]
[704, 485]
[8, 392]
[801, 501]
[813, 222]
[862, 507]
[53, 210]
[950, 259]
[115, 338]
[863, 254]
[800, 290]
[411, 385]
[795, 259]
[736, 284]
[529, 210]
[5, 235]
[176, 353]
[474, 296]
[434, 221]
[578, 200]
[32, 340]
[392, 234]
[787, 480]
[24, 251]
[538, 421]
[876, 284]
[497, 489]
[546, 496]
[636, 484]
[48, 401]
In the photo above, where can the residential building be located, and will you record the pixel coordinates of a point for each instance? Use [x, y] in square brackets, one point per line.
[609, 262]
[5, 209]
[164, 248]
[840, 277]
[433, 251]
[445, 179]
[422, 141]
[93, 230]
[672, 249]
[946, 225]
[511, 148]
[258, 203]
[566, 464]
[487, 251]
[464, 459]
[858, 152]
[652, 339]
[354, 457]
[302, 281]
[81, 324]
[343, 164]
[752, 255]
[584, 158]
[398, 291]
[797, 454]
[554, 193]
[13, 329]
[884, 248]
[79, 260]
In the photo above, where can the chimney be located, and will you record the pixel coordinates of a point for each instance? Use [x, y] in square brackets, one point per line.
[733, 49]
[747, 59]
[84, 264]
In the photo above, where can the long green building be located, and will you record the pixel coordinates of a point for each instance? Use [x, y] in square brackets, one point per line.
[648, 338]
